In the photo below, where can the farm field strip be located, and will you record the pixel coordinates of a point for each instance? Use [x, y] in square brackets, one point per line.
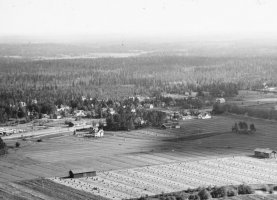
[134, 182]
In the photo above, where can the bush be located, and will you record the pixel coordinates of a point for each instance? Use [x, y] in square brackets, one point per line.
[252, 128]
[218, 192]
[267, 188]
[3, 147]
[245, 189]
[194, 197]
[232, 192]
[17, 144]
[189, 190]
[39, 140]
[170, 198]
[181, 198]
[69, 123]
[204, 194]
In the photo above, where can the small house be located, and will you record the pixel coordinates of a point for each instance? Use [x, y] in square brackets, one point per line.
[79, 113]
[264, 153]
[220, 100]
[148, 105]
[111, 111]
[57, 116]
[80, 173]
[204, 116]
[34, 101]
[22, 104]
[187, 117]
[45, 116]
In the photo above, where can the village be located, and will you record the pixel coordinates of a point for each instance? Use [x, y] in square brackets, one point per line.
[136, 110]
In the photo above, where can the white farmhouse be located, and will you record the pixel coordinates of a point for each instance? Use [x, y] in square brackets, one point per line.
[220, 100]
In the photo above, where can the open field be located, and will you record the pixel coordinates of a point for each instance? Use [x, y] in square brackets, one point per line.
[56, 155]
[120, 150]
[254, 98]
[152, 180]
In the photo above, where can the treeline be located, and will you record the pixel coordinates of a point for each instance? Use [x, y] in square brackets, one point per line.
[3, 147]
[243, 110]
[126, 120]
[202, 193]
[156, 72]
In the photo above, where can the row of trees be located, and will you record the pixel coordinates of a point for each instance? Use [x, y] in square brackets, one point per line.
[243, 110]
[3, 147]
[242, 127]
[206, 193]
[126, 120]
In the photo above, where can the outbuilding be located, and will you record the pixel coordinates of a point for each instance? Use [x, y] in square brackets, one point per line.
[170, 125]
[264, 153]
[220, 100]
[80, 173]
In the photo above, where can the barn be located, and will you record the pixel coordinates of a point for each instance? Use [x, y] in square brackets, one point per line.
[170, 125]
[80, 173]
[264, 153]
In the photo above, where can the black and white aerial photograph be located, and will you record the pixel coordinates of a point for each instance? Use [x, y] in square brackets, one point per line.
[138, 100]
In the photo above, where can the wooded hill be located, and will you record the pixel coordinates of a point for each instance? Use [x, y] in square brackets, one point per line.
[49, 81]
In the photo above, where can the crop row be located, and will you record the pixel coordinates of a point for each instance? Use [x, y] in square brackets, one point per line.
[135, 182]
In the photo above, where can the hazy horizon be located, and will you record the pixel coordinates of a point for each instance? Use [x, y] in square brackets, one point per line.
[155, 20]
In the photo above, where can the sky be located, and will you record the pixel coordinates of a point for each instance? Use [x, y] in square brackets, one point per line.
[137, 18]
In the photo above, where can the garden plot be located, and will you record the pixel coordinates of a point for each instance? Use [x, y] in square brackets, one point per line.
[150, 180]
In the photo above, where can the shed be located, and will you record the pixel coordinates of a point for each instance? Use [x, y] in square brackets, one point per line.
[264, 153]
[80, 173]
[220, 100]
[170, 125]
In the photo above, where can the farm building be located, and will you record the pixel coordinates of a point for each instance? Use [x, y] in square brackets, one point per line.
[204, 116]
[79, 173]
[170, 125]
[148, 105]
[79, 113]
[264, 153]
[220, 100]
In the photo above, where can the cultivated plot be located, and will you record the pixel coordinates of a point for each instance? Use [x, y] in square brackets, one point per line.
[156, 179]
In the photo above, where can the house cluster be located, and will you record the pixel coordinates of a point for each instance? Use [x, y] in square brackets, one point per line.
[269, 89]
[190, 114]
[9, 131]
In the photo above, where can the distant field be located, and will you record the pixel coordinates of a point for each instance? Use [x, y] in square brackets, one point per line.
[267, 106]
[254, 98]
[152, 180]
[42, 189]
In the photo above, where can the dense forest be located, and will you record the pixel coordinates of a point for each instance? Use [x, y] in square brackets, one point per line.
[66, 80]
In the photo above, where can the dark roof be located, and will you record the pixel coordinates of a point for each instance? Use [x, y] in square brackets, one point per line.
[264, 150]
[80, 171]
